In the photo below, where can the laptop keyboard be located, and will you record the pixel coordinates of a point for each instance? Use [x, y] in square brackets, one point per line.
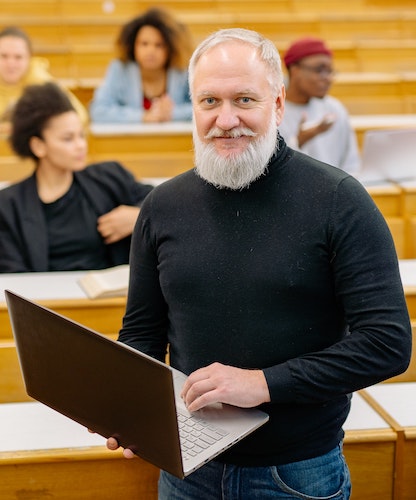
[196, 435]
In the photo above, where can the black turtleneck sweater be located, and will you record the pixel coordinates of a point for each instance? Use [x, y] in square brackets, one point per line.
[296, 275]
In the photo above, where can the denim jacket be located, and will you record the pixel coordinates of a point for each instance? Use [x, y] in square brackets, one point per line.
[120, 97]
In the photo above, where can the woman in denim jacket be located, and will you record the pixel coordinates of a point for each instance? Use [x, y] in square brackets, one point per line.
[148, 83]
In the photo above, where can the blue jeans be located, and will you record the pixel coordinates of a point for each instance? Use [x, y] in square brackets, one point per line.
[324, 477]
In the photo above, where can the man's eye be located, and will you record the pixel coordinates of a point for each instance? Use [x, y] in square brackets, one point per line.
[209, 100]
[245, 100]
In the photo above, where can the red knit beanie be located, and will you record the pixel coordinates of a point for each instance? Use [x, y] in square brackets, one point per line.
[303, 48]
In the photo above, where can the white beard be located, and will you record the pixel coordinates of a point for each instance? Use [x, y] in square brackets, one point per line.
[237, 171]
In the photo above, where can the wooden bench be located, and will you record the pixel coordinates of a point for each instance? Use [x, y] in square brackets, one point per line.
[77, 51]
[44, 454]
[360, 92]
[374, 92]
[271, 21]
[103, 315]
[369, 449]
[408, 274]
[12, 388]
[387, 55]
[362, 123]
[397, 404]
[61, 292]
[42, 444]
[129, 7]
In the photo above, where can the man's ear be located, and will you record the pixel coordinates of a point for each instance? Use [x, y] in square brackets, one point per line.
[280, 105]
[37, 146]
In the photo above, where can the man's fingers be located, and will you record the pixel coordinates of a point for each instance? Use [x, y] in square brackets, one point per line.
[112, 443]
[128, 453]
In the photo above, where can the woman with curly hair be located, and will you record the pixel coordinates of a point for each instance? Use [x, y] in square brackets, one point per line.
[148, 82]
[66, 216]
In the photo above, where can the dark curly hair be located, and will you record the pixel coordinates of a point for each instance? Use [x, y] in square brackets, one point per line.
[174, 33]
[31, 113]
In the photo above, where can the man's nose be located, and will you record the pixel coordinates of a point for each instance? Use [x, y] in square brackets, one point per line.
[227, 118]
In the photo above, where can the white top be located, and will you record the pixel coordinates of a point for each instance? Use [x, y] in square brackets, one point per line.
[398, 399]
[34, 426]
[337, 146]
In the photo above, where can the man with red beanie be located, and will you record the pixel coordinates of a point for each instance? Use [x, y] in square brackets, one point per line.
[314, 122]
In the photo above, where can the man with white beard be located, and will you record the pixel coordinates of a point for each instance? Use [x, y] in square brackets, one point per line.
[273, 280]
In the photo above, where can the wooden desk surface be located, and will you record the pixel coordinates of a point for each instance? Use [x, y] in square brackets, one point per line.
[362, 123]
[387, 196]
[41, 444]
[369, 448]
[43, 454]
[12, 387]
[363, 418]
[174, 136]
[398, 402]
[408, 196]
[163, 150]
[408, 275]
[148, 150]
[61, 292]
[101, 133]
[34, 426]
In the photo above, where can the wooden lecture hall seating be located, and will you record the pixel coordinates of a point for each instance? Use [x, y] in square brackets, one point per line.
[365, 35]
[165, 150]
[45, 455]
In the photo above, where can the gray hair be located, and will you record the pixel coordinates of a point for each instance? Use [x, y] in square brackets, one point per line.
[266, 49]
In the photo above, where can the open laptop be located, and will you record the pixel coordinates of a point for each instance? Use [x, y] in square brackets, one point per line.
[118, 391]
[388, 155]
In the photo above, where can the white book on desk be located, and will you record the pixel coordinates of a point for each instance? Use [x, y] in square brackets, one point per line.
[111, 282]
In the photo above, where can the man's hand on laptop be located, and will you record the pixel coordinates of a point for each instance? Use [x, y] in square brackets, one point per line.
[218, 383]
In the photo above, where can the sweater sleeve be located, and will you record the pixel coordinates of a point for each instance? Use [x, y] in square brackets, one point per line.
[145, 321]
[368, 287]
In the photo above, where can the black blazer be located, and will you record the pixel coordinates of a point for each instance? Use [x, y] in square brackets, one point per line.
[23, 231]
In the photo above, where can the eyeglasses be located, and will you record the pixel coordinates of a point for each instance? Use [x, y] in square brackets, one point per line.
[320, 70]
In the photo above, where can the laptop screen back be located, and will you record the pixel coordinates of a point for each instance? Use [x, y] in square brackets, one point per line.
[64, 363]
